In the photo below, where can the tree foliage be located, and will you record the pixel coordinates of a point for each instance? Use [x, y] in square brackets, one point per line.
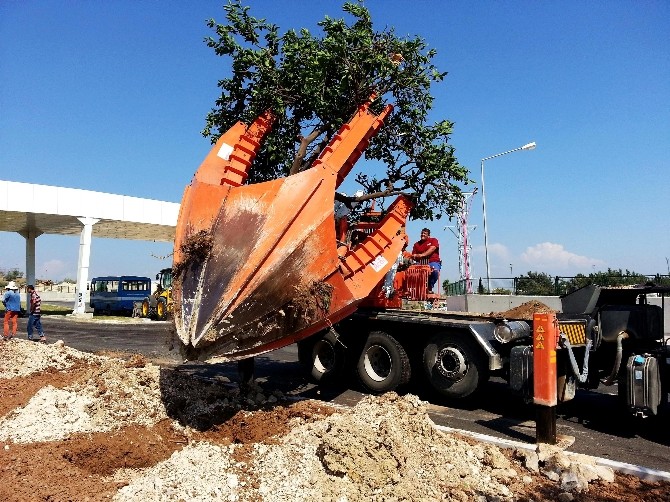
[608, 278]
[535, 283]
[313, 83]
[540, 283]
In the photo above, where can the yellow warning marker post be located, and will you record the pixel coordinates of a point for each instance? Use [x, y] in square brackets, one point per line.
[545, 342]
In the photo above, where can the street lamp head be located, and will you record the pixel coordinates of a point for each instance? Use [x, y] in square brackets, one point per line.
[528, 146]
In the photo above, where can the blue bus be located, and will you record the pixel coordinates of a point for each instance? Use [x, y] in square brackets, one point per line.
[118, 293]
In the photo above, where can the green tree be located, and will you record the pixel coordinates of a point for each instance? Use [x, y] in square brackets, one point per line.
[445, 285]
[13, 275]
[314, 83]
[661, 280]
[501, 291]
[535, 283]
[609, 278]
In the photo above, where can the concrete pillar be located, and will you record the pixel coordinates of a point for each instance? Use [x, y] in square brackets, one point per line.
[30, 236]
[84, 261]
[30, 256]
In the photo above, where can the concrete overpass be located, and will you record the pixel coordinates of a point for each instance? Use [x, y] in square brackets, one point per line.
[32, 210]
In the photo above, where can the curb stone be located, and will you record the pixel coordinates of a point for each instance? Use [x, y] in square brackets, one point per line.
[621, 467]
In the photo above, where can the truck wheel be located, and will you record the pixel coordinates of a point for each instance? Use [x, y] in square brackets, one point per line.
[161, 309]
[305, 348]
[245, 370]
[455, 366]
[145, 308]
[383, 365]
[323, 356]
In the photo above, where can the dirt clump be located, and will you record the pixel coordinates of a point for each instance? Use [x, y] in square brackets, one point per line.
[195, 248]
[307, 306]
[80, 427]
[525, 311]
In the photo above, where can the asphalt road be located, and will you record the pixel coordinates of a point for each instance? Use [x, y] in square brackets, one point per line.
[595, 421]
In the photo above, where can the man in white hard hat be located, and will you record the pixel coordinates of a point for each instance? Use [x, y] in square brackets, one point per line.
[12, 302]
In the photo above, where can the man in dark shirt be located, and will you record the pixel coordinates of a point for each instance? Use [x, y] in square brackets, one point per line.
[35, 317]
[426, 251]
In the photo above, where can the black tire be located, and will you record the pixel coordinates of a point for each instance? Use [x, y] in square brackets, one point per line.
[161, 309]
[245, 371]
[305, 348]
[383, 365]
[146, 308]
[455, 366]
[323, 356]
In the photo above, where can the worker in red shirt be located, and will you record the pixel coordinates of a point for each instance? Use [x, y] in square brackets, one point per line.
[426, 251]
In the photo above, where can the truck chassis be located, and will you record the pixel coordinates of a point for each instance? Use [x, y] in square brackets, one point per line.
[609, 336]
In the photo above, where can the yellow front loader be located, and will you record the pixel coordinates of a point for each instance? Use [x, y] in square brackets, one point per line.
[158, 305]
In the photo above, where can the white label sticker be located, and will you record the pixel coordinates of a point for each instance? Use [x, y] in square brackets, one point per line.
[378, 263]
[638, 375]
[225, 151]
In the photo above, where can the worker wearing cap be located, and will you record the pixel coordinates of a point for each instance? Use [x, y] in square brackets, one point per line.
[12, 302]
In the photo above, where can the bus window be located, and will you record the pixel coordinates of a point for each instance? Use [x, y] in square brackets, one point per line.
[135, 285]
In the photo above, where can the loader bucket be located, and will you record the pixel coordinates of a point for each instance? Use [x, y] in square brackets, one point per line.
[257, 266]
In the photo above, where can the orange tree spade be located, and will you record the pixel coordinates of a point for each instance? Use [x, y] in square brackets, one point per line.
[314, 83]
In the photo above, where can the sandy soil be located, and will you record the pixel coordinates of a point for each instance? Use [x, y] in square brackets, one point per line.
[524, 312]
[76, 426]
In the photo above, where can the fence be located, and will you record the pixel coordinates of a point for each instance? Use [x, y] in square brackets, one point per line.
[524, 285]
[563, 285]
[499, 286]
[58, 288]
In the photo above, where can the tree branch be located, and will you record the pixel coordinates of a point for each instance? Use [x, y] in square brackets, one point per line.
[302, 150]
[348, 199]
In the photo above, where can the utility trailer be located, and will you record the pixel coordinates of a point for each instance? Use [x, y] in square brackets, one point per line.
[607, 336]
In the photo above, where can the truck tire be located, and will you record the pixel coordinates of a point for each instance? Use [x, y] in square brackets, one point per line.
[383, 365]
[245, 371]
[323, 356]
[161, 309]
[454, 365]
[146, 309]
[305, 348]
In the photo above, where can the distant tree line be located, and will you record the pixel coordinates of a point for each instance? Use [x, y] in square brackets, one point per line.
[542, 284]
[10, 275]
[18, 276]
[611, 277]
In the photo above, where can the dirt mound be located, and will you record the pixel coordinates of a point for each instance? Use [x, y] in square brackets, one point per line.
[80, 427]
[525, 311]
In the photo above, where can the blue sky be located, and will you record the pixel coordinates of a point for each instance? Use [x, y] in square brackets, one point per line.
[112, 95]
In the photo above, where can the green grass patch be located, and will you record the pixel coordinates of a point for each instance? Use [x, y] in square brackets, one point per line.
[47, 309]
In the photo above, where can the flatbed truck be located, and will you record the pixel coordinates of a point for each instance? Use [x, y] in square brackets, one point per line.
[608, 336]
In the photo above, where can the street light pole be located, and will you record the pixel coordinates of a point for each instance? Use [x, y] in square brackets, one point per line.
[528, 146]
